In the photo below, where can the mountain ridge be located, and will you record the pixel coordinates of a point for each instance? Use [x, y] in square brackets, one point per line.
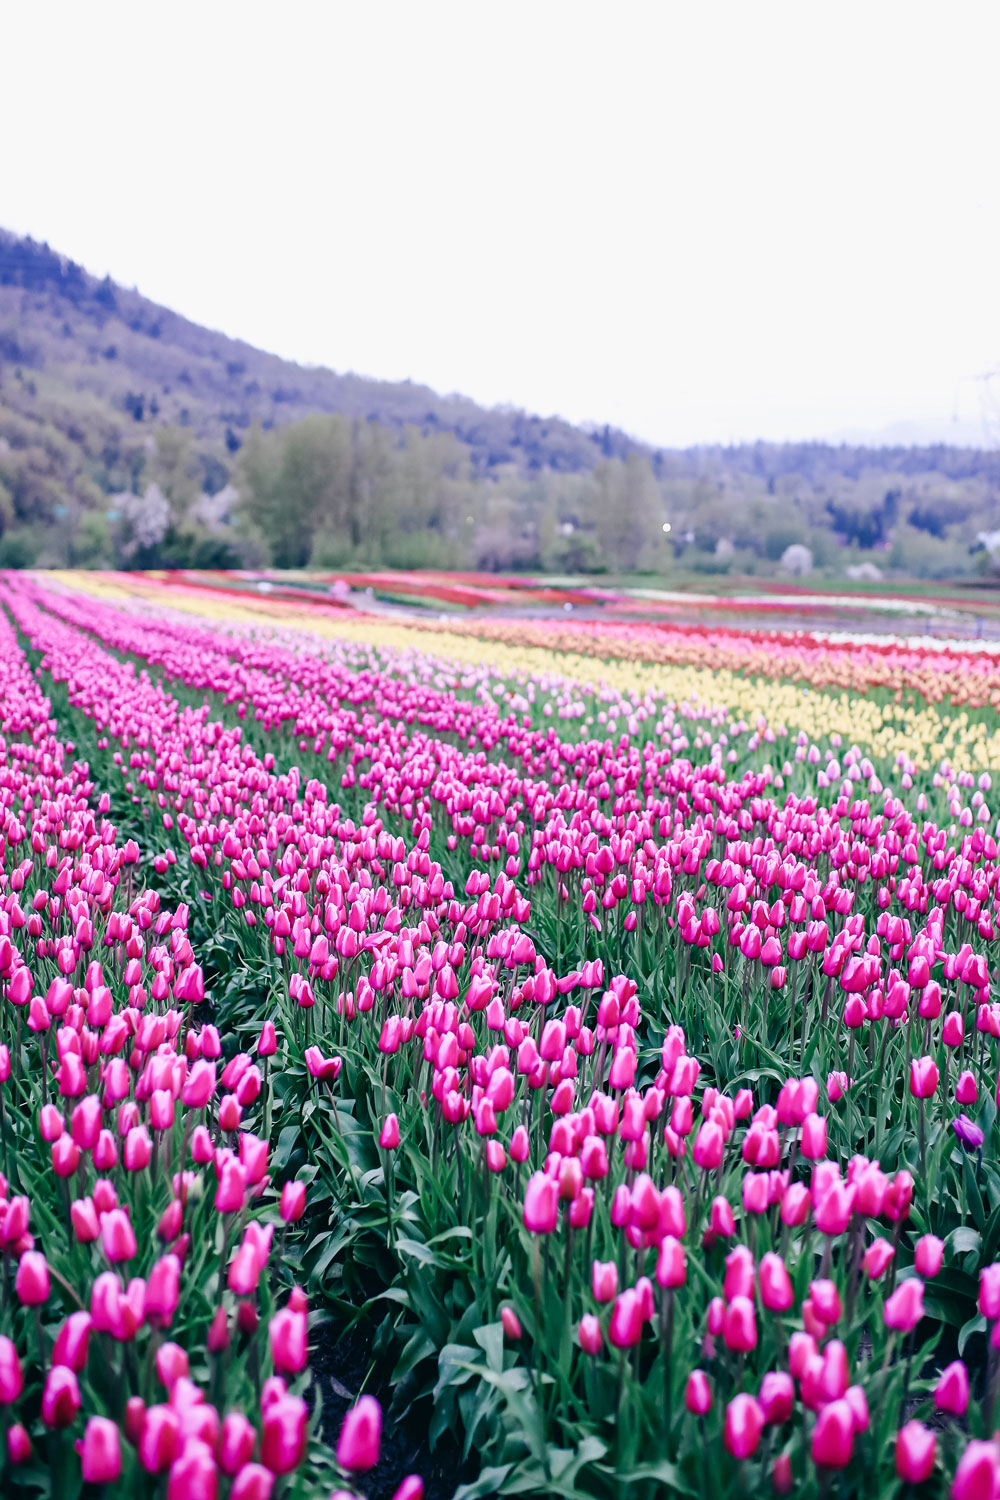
[105, 394]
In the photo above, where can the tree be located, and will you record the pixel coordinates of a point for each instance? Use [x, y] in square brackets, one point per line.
[176, 468]
[627, 512]
[297, 482]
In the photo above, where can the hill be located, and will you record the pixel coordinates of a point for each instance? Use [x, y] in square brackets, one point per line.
[124, 427]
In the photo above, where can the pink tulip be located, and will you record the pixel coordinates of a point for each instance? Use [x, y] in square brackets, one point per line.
[924, 1077]
[928, 1255]
[360, 1436]
[32, 1280]
[541, 1204]
[776, 1291]
[951, 1394]
[589, 1334]
[698, 1394]
[904, 1309]
[253, 1482]
[100, 1452]
[283, 1438]
[833, 1436]
[61, 1397]
[11, 1378]
[743, 1426]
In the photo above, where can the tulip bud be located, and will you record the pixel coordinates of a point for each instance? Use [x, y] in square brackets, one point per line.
[698, 1394]
[904, 1309]
[511, 1323]
[951, 1394]
[743, 1426]
[833, 1436]
[218, 1332]
[193, 1475]
[61, 1397]
[253, 1482]
[32, 1280]
[293, 1201]
[928, 1255]
[360, 1436]
[100, 1452]
[287, 1332]
[236, 1442]
[18, 1444]
[589, 1334]
[924, 1077]
[776, 1291]
[72, 1342]
[916, 1451]
[11, 1378]
[978, 1472]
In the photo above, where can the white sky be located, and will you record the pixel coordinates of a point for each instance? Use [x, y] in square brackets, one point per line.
[697, 221]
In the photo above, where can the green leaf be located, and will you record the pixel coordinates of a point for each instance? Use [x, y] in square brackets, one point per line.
[974, 1325]
[962, 1239]
[489, 1337]
[490, 1482]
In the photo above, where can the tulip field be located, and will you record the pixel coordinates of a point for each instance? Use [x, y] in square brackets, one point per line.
[492, 1056]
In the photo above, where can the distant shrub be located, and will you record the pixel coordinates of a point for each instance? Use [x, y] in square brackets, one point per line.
[18, 549]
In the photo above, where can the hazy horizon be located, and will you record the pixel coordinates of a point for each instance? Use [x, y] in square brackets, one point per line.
[708, 226]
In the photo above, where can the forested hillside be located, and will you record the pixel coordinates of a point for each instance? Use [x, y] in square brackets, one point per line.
[130, 435]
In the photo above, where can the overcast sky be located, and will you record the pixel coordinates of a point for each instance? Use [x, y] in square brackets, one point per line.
[696, 221]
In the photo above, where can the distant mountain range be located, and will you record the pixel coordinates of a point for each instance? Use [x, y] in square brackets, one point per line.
[953, 432]
[92, 375]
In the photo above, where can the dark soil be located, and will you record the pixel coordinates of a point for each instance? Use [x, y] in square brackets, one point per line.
[339, 1365]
